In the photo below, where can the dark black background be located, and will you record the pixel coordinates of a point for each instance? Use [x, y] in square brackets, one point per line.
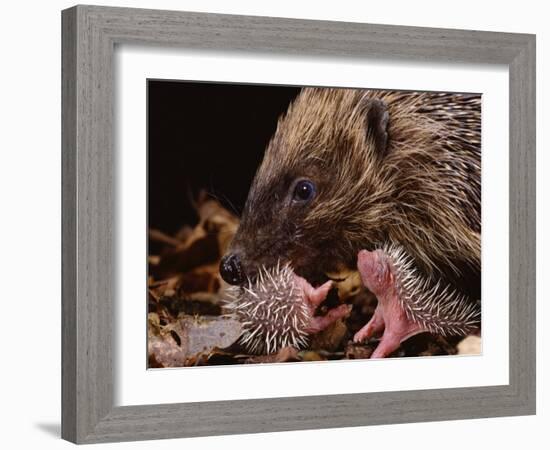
[206, 136]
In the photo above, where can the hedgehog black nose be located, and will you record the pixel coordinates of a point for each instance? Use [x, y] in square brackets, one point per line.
[231, 269]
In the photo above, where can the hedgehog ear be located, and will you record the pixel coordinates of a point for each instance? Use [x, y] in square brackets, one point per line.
[377, 125]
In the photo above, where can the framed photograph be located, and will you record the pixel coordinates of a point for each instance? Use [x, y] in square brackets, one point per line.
[267, 222]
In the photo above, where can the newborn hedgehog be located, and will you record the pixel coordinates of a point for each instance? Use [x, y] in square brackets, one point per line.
[350, 170]
[409, 304]
[277, 310]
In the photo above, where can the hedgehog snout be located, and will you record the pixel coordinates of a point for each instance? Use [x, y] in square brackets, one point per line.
[231, 269]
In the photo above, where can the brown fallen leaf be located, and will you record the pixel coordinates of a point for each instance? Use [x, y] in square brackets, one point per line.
[174, 344]
[163, 288]
[153, 260]
[203, 245]
[183, 233]
[359, 351]
[286, 354]
[202, 304]
[310, 355]
[470, 345]
[200, 249]
[159, 236]
[204, 278]
[348, 283]
[330, 338]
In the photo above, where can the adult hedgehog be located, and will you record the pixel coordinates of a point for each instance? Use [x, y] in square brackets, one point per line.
[358, 170]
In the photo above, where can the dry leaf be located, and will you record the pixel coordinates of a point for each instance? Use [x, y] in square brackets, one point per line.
[470, 345]
[286, 354]
[172, 345]
[348, 283]
[359, 351]
[330, 338]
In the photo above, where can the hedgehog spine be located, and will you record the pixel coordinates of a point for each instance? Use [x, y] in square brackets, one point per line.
[271, 310]
[435, 306]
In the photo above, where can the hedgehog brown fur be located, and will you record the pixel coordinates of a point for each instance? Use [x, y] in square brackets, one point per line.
[388, 167]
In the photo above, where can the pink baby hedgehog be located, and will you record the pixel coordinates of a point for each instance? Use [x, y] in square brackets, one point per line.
[277, 310]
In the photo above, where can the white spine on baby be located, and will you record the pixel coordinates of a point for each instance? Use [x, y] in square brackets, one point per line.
[272, 311]
[436, 306]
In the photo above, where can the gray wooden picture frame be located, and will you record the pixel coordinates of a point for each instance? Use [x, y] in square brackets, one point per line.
[90, 34]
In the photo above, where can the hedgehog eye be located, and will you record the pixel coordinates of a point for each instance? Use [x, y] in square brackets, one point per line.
[304, 191]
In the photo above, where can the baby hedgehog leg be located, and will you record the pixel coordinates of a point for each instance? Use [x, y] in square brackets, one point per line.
[313, 298]
[409, 304]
